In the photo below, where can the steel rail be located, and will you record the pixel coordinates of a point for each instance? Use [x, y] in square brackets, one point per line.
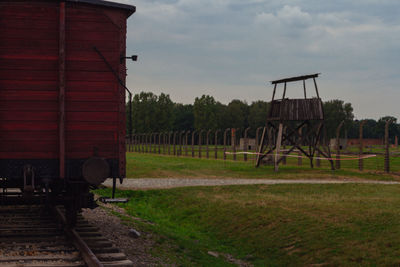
[87, 254]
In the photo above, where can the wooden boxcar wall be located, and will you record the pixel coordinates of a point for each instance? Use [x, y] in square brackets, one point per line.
[29, 86]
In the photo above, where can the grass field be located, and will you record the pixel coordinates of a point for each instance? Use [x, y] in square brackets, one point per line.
[160, 166]
[371, 164]
[276, 225]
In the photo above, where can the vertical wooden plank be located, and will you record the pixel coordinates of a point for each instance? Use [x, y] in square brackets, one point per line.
[61, 99]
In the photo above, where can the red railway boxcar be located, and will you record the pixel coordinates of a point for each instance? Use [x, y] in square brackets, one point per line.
[62, 96]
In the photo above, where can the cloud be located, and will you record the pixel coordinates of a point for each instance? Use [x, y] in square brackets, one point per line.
[288, 15]
[222, 44]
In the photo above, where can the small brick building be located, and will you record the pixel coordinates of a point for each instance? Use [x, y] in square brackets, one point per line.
[366, 142]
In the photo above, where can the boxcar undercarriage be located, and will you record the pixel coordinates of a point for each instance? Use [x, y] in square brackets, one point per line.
[36, 182]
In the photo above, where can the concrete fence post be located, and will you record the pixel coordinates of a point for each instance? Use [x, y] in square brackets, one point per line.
[159, 142]
[245, 143]
[387, 155]
[318, 160]
[186, 142]
[233, 142]
[338, 145]
[225, 132]
[200, 141]
[193, 137]
[174, 143]
[136, 142]
[140, 147]
[169, 142]
[144, 144]
[208, 143]
[144, 150]
[216, 144]
[164, 141]
[181, 142]
[131, 143]
[148, 140]
[258, 138]
[360, 154]
[127, 144]
[155, 143]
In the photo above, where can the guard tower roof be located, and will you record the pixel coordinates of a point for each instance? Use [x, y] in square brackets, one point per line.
[297, 78]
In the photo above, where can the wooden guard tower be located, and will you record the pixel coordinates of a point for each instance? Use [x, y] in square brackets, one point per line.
[297, 122]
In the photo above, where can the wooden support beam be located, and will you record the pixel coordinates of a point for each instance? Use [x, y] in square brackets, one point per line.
[260, 148]
[278, 146]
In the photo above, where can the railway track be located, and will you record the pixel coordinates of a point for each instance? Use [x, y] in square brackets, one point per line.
[32, 238]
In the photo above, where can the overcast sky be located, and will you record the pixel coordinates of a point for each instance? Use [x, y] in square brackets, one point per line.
[231, 49]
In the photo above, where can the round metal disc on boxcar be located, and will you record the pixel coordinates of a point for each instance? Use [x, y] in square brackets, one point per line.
[95, 170]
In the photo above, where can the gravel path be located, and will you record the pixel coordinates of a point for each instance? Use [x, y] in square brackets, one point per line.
[158, 183]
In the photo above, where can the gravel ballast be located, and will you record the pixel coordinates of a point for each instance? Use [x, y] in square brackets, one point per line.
[136, 249]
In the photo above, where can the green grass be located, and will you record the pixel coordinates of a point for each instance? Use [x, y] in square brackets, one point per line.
[276, 225]
[162, 166]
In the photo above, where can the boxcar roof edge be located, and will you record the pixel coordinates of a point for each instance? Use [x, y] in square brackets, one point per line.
[130, 8]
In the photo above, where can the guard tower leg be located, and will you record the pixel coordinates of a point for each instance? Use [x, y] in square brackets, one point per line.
[278, 146]
[260, 148]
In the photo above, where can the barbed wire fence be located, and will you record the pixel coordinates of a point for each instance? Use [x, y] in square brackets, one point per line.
[236, 145]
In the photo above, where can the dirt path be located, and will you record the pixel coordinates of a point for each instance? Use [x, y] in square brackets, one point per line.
[158, 183]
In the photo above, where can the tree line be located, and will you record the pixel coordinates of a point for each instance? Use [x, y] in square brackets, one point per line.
[158, 113]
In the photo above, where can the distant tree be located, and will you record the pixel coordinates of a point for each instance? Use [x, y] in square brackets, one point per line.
[370, 129]
[164, 113]
[144, 112]
[152, 113]
[336, 111]
[393, 127]
[184, 117]
[375, 129]
[258, 111]
[221, 115]
[205, 109]
[237, 114]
